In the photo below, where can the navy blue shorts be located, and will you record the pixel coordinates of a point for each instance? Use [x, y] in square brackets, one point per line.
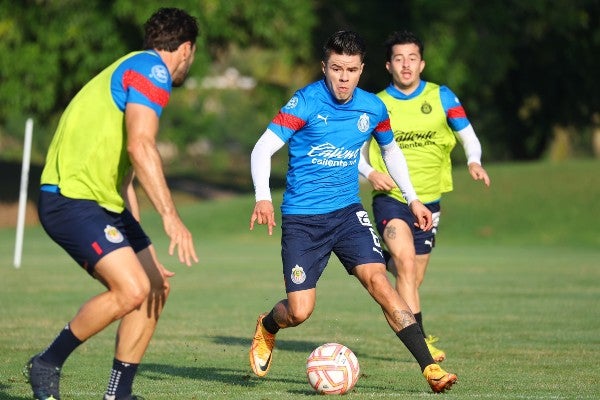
[307, 242]
[87, 231]
[386, 208]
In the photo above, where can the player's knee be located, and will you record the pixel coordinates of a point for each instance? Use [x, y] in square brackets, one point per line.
[134, 297]
[403, 262]
[296, 317]
[419, 282]
[377, 283]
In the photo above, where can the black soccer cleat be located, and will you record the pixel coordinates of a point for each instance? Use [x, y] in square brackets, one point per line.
[43, 378]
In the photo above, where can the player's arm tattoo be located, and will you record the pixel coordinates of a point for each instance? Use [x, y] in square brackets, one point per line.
[404, 318]
[390, 232]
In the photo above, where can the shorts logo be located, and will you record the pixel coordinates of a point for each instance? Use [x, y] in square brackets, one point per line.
[160, 73]
[435, 219]
[298, 276]
[363, 218]
[363, 123]
[112, 234]
[292, 103]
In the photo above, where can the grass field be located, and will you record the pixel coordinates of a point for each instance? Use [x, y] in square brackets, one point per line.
[513, 291]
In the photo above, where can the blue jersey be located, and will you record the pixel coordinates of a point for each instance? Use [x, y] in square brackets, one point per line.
[324, 140]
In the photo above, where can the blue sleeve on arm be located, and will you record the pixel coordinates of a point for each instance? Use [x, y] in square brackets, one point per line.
[455, 113]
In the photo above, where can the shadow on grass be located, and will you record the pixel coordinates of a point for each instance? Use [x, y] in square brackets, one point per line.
[5, 396]
[299, 346]
[304, 346]
[229, 376]
[244, 379]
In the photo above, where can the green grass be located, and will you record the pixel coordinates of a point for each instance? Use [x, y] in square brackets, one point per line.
[513, 291]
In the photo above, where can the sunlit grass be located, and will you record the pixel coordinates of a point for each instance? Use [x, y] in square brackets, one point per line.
[516, 309]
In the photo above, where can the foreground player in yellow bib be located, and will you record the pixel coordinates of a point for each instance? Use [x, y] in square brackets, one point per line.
[88, 206]
[426, 119]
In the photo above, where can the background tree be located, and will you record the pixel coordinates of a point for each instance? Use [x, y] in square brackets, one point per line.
[525, 70]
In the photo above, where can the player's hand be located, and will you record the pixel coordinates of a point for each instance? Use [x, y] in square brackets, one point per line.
[165, 272]
[478, 173]
[381, 181]
[422, 215]
[161, 268]
[263, 214]
[181, 238]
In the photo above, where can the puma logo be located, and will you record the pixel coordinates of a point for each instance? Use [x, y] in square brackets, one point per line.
[319, 116]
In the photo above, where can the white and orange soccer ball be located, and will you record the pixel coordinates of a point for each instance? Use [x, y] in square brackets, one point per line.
[332, 368]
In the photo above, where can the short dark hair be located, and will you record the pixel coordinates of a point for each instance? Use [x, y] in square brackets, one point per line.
[402, 37]
[345, 42]
[168, 28]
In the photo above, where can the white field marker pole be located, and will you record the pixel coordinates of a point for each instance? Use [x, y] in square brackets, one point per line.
[23, 192]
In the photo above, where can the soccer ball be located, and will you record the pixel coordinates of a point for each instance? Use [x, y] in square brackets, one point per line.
[332, 368]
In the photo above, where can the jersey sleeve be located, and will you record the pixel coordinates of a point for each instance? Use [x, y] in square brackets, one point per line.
[455, 113]
[260, 163]
[383, 130]
[291, 117]
[142, 79]
[397, 167]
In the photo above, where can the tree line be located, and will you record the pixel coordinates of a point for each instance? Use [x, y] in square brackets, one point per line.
[526, 71]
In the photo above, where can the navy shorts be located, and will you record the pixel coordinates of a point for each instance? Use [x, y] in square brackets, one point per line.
[386, 208]
[87, 231]
[307, 242]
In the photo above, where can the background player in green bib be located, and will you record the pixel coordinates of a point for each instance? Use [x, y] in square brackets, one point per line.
[426, 120]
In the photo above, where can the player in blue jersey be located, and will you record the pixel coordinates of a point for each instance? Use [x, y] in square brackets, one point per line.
[325, 124]
[106, 136]
[426, 119]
